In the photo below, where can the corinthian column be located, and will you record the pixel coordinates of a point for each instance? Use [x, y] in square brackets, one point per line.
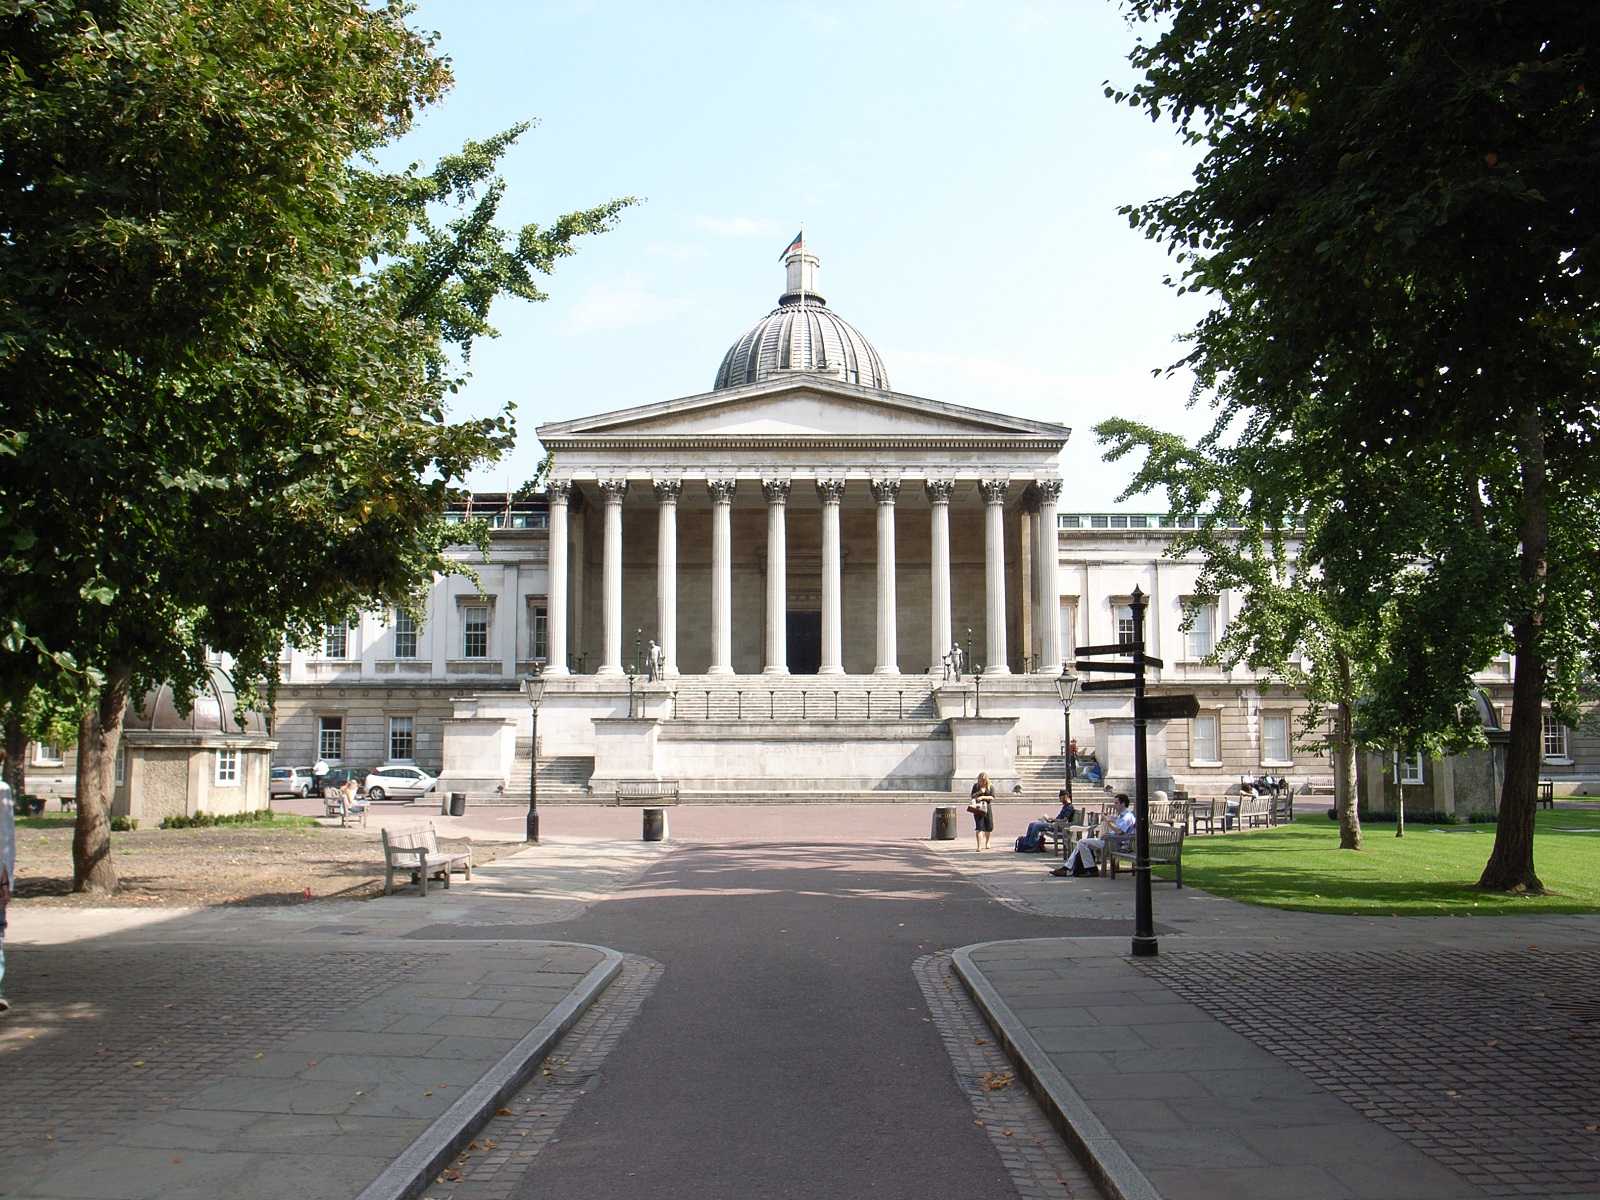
[557, 491]
[994, 562]
[721, 493]
[667, 493]
[938, 491]
[1048, 556]
[884, 492]
[777, 493]
[613, 490]
[831, 492]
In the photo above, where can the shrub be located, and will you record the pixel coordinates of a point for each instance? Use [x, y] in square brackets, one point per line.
[204, 820]
[1422, 816]
[123, 824]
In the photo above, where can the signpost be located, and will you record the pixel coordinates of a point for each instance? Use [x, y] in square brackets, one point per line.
[1144, 933]
[1171, 708]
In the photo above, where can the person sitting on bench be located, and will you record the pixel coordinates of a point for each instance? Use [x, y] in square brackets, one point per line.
[1034, 838]
[1082, 861]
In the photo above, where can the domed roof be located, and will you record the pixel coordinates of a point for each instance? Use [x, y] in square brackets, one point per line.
[802, 336]
[211, 712]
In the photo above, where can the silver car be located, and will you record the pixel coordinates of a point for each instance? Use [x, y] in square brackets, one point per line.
[398, 782]
[290, 781]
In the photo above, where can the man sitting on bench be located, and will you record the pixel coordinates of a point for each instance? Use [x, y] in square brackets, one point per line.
[1034, 838]
[1082, 861]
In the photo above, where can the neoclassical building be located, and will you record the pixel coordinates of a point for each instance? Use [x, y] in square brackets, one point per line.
[853, 592]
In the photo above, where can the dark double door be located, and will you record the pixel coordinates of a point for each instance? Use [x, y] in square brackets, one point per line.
[805, 642]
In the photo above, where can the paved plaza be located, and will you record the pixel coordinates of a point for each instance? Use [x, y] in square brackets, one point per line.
[356, 1049]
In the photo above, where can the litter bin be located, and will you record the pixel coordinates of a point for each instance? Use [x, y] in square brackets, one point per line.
[944, 824]
[458, 804]
[655, 824]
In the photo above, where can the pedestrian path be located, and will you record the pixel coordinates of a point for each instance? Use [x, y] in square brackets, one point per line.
[326, 1050]
[1293, 1055]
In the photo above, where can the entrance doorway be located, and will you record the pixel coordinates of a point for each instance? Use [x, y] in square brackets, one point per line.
[805, 642]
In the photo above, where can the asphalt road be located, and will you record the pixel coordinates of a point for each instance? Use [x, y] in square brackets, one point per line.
[786, 1051]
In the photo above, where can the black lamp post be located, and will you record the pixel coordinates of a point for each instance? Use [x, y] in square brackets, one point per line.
[977, 691]
[1066, 688]
[533, 685]
[631, 678]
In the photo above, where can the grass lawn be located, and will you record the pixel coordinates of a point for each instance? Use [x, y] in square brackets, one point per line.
[1429, 872]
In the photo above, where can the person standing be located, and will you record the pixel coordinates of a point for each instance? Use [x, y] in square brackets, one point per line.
[981, 807]
[8, 867]
[319, 776]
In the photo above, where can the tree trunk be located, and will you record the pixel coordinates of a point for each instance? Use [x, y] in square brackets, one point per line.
[16, 767]
[1510, 865]
[98, 736]
[1344, 762]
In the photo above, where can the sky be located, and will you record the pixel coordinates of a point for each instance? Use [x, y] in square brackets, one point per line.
[956, 167]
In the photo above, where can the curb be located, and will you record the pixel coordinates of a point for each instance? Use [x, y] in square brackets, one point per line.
[420, 1163]
[1101, 1154]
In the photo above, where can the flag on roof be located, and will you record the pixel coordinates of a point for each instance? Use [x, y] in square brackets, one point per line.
[798, 244]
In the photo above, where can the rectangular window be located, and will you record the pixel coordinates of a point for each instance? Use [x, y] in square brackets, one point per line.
[335, 640]
[1199, 640]
[227, 768]
[1069, 630]
[1275, 738]
[1123, 614]
[46, 754]
[1411, 768]
[532, 520]
[330, 738]
[1069, 521]
[475, 632]
[402, 740]
[1203, 739]
[122, 766]
[541, 631]
[1555, 737]
[405, 634]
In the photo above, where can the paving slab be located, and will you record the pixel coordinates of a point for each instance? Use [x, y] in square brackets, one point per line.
[325, 1050]
[1293, 1055]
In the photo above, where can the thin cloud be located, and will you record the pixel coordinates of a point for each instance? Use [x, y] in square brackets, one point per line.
[619, 304]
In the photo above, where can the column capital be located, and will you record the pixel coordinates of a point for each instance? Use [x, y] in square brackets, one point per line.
[1030, 500]
[721, 490]
[558, 491]
[776, 490]
[939, 490]
[613, 490]
[830, 491]
[884, 491]
[667, 490]
[1049, 490]
[993, 490]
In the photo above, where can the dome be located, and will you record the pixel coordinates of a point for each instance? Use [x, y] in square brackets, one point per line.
[211, 712]
[802, 336]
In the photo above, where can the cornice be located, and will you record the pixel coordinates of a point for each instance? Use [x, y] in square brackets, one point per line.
[679, 442]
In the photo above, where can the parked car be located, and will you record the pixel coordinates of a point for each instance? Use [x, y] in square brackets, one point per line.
[290, 781]
[399, 781]
[336, 778]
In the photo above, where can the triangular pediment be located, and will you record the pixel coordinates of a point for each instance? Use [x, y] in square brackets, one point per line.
[795, 408]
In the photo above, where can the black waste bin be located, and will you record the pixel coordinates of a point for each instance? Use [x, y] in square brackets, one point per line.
[655, 824]
[458, 804]
[944, 824]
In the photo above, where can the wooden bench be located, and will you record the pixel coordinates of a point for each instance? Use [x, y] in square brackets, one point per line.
[1254, 811]
[646, 792]
[417, 851]
[1547, 794]
[333, 805]
[1166, 846]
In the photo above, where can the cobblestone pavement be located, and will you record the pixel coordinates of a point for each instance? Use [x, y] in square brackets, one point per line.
[1040, 1165]
[109, 1036]
[1487, 1062]
[506, 1147]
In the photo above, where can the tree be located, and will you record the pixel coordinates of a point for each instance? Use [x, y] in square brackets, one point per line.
[227, 340]
[1394, 215]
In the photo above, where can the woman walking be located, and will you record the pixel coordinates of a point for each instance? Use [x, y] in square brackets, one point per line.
[982, 809]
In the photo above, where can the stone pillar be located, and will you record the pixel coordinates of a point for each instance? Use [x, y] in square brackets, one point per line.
[1048, 556]
[558, 492]
[613, 490]
[831, 492]
[777, 493]
[994, 561]
[721, 493]
[884, 492]
[667, 493]
[938, 491]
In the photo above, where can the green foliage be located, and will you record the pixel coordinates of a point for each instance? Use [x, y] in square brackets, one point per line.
[204, 820]
[1422, 816]
[123, 824]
